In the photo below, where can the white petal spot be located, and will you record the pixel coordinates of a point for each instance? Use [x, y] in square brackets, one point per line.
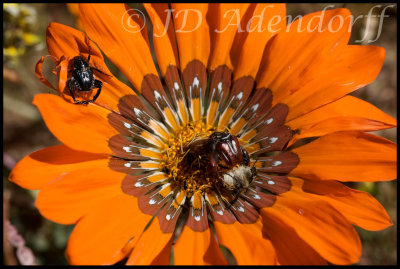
[176, 85]
[127, 149]
[127, 125]
[272, 140]
[256, 196]
[301, 212]
[270, 182]
[127, 164]
[269, 121]
[168, 217]
[276, 163]
[196, 82]
[197, 218]
[220, 86]
[138, 184]
[157, 95]
[255, 107]
[219, 212]
[152, 201]
[137, 111]
[241, 209]
[239, 96]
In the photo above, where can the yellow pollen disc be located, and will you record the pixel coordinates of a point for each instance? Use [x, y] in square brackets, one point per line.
[189, 179]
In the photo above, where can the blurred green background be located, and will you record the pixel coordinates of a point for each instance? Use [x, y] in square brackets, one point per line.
[24, 31]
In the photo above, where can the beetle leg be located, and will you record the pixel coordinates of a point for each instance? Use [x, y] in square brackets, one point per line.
[97, 84]
[253, 174]
[70, 84]
[236, 198]
[214, 160]
[246, 158]
[228, 204]
[73, 83]
[239, 192]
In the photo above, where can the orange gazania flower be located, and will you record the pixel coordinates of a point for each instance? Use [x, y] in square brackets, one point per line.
[140, 174]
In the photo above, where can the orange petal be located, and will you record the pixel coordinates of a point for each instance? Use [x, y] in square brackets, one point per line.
[224, 20]
[41, 167]
[69, 197]
[246, 243]
[356, 67]
[241, 34]
[197, 248]
[164, 257]
[165, 14]
[112, 27]
[79, 127]
[359, 207]
[150, 245]
[65, 41]
[346, 114]
[267, 20]
[108, 233]
[73, 8]
[162, 43]
[304, 50]
[287, 244]
[347, 156]
[192, 32]
[319, 224]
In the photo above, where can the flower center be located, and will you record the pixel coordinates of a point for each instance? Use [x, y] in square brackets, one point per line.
[200, 160]
[185, 167]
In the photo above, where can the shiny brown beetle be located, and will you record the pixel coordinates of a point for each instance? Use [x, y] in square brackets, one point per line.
[225, 151]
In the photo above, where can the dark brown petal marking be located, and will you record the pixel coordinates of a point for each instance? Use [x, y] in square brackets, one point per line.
[275, 117]
[126, 149]
[258, 198]
[177, 93]
[137, 185]
[241, 90]
[151, 202]
[173, 82]
[195, 80]
[244, 212]
[269, 140]
[259, 104]
[169, 214]
[131, 107]
[128, 128]
[272, 183]
[153, 91]
[128, 106]
[218, 210]
[281, 163]
[220, 84]
[197, 219]
[128, 166]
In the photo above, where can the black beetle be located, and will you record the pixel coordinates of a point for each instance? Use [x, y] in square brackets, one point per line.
[82, 78]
